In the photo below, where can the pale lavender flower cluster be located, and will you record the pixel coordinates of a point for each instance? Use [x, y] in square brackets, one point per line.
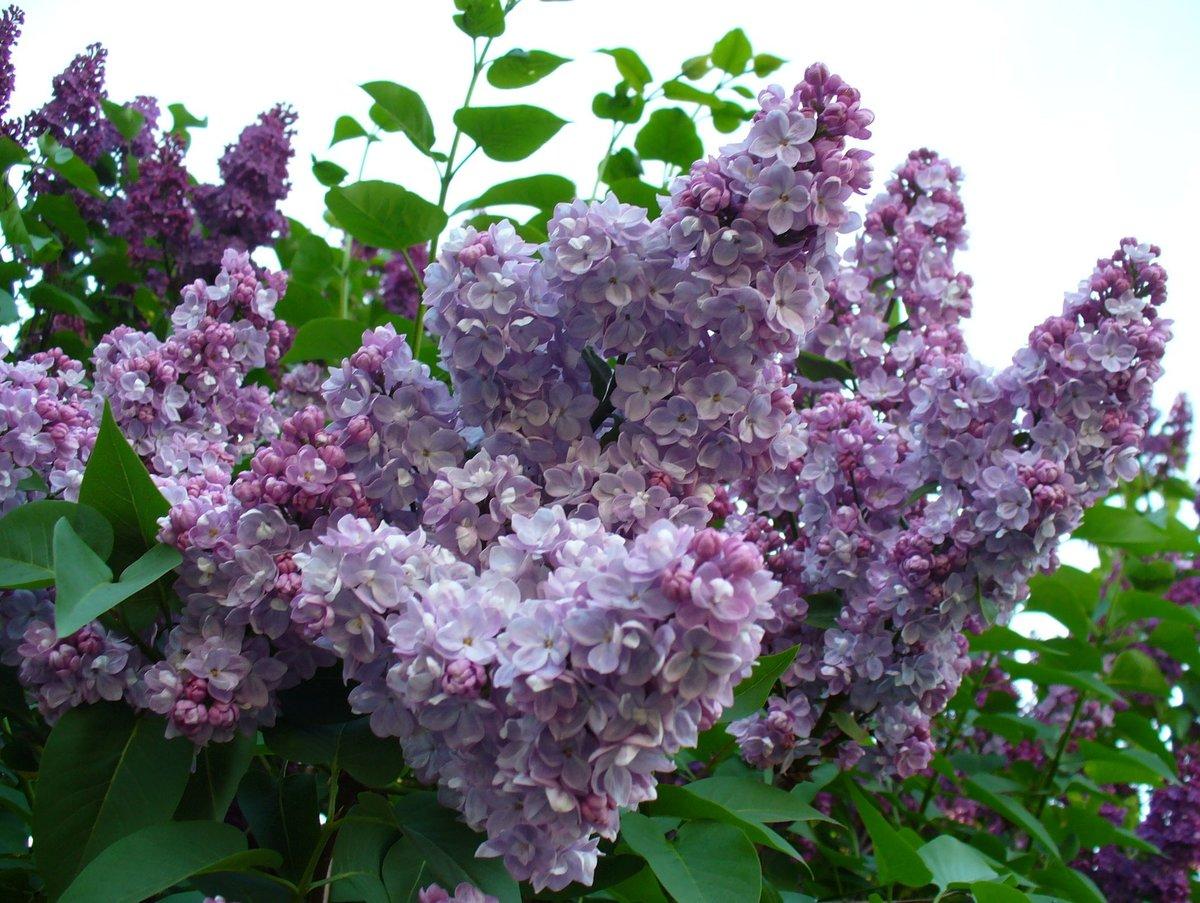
[182, 401]
[47, 426]
[545, 691]
[463, 893]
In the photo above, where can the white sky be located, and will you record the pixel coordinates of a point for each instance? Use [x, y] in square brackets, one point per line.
[1075, 122]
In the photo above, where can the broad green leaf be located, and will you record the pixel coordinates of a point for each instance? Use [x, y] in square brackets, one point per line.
[1137, 605]
[368, 832]
[1097, 831]
[728, 116]
[117, 484]
[521, 68]
[64, 162]
[817, 368]
[84, 589]
[707, 862]
[404, 872]
[765, 64]
[346, 128]
[218, 770]
[27, 539]
[895, 859]
[385, 215]
[449, 847]
[283, 815]
[677, 90]
[541, 192]
[182, 120]
[669, 135]
[61, 212]
[1119, 527]
[48, 296]
[1068, 883]
[751, 799]
[1134, 670]
[375, 761]
[681, 802]
[624, 164]
[327, 172]
[995, 892]
[751, 694]
[11, 154]
[1048, 676]
[153, 859]
[950, 861]
[329, 339]
[620, 106]
[405, 112]
[508, 133]
[696, 67]
[480, 18]
[732, 52]
[127, 121]
[985, 788]
[105, 773]
[1128, 765]
[635, 72]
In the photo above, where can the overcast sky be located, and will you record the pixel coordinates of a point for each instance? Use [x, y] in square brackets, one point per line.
[1075, 122]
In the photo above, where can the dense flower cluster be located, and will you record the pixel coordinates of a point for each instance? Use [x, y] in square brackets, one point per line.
[669, 445]
[929, 493]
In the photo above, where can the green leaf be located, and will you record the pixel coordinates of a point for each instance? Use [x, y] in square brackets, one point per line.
[480, 18]
[1069, 884]
[11, 154]
[367, 834]
[117, 484]
[895, 859]
[508, 133]
[347, 128]
[521, 68]
[1135, 670]
[681, 802]
[449, 847]
[127, 121]
[620, 106]
[1048, 676]
[182, 120]
[696, 67]
[64, 162]
[818, 368]
[751, 799]
[61, 212]
[635, 72]
[707, 862]
[1118, 527]
[669, 135]
[950, 861]
[677, 90]
[328, 339]
[153, 859]
[1068, 595]
[83, 582]
[540, 192]
[283, 815]
[623, 164]
[732, 52]
[218, 770]
[1097, 831]
[405, 111]
[1128, 765]
[751, 694]
[765, 64]
[374, 761]
[994, 892]
[728, 117]
[1137, 605]
[385, 215]
[27, 539]
[47, 296]
[985, 788]
[327, 172]
[105, 773]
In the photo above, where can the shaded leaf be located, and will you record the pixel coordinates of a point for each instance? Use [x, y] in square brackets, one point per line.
[27, 539]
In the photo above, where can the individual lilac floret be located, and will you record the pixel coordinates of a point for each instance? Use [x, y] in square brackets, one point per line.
[463, 893]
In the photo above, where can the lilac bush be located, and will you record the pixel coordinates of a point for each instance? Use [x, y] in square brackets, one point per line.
[627, 532]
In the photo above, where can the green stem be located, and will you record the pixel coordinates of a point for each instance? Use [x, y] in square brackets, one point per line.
[348, 243]
[1045, 785]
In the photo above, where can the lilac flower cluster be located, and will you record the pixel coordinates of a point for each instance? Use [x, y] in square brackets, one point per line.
[543, 693]
[464, 893]
[935, 488]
